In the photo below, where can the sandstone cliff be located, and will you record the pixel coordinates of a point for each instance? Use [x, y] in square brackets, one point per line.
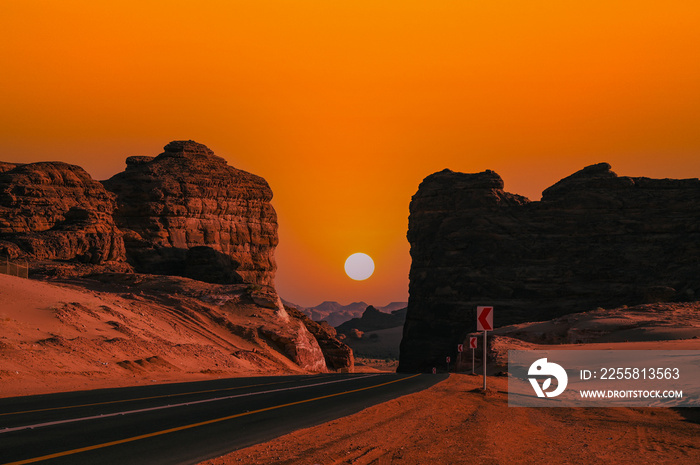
[187, 213]
[56, 211]
[183, 213]
[594, 240]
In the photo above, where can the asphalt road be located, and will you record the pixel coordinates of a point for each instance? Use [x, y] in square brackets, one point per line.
[184, 423]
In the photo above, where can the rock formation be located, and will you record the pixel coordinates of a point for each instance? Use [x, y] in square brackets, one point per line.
[338, 356]
[184, 213]
[187, 213]
[56, 211]
[594, 240]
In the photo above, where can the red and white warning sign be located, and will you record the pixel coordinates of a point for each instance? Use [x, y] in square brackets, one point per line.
[472, 342]
[484, 318]
[448, 359]
[460, 347]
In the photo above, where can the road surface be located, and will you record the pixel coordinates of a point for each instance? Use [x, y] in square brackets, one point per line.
[184, 423]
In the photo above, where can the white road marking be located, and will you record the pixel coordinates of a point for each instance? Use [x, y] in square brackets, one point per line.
[151, 409]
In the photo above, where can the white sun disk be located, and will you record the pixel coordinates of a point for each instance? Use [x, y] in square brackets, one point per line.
[359, 266]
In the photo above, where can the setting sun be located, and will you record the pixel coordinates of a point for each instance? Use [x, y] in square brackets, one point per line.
[359, 266]
[345, 107]
[181, 181]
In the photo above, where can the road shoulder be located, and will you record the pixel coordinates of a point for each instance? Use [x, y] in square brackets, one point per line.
[454, 422]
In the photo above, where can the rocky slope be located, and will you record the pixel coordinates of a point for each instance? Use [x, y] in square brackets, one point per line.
[187, 213]
[56, 211]
[594, 240]
[338, 356]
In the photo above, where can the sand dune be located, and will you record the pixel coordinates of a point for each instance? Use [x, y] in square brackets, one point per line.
[107, 333]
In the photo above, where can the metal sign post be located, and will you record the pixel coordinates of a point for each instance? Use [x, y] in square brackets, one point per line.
[485, 360]
[472, 344]
[484, 322]
[473, 360]
[448, 363]
[460, 349]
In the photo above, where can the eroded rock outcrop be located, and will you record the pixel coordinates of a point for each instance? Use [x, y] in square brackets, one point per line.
[338, 356]
[187, 213]
[594, 240]
[56, 211]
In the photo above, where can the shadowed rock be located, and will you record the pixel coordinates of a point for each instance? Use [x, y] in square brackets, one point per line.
[594, 240]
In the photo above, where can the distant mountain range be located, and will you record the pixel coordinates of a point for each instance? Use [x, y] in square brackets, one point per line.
[374, 320]
[336, 314]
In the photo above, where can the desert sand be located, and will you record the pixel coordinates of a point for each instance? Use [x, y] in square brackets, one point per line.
[454, 422]
[93, 335]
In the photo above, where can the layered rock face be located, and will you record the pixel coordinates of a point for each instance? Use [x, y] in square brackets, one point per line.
[56, 211]
[594, 240]
[187, 213]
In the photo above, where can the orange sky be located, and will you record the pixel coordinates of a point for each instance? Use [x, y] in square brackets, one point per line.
[345, 106]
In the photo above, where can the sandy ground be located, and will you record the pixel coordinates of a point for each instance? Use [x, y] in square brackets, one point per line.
[110, 334]
[365, 365]
[650, 322]
[381, 344]
[455, 423]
